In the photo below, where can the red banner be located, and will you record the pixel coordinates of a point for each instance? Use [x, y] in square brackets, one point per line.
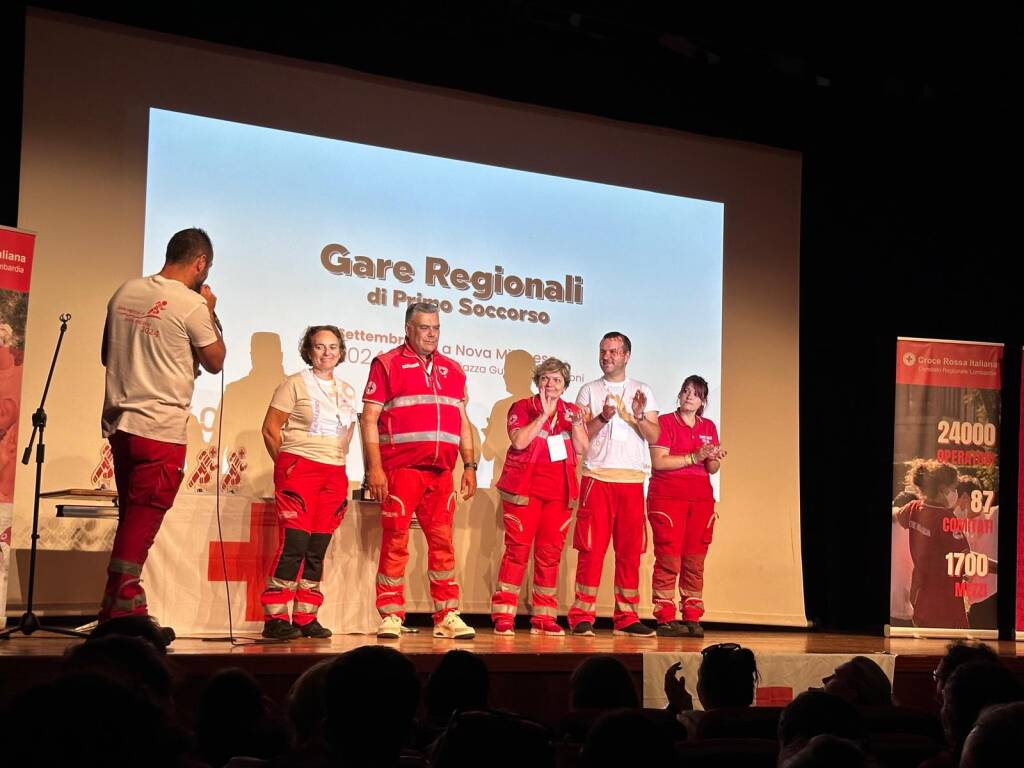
[945, 507]
[948, 364]
[1020, 519]
[16, 249]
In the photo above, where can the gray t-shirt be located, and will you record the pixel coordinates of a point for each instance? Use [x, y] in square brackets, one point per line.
[153, 323]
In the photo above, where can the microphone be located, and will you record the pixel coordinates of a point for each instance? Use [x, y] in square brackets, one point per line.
[213, 314]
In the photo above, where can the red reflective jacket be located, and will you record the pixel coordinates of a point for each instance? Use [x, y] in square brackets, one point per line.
[421, 423]
[514, 485]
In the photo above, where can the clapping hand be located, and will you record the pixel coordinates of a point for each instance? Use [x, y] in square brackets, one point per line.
[609, 409]
[679, 699]
[548, 405]
[704, 452]
[639, 405]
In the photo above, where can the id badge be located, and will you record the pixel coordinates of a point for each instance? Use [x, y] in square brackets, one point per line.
[556, 448]
[621, 430]
[345, 415]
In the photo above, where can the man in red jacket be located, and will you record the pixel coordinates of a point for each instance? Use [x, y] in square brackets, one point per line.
[414, 429]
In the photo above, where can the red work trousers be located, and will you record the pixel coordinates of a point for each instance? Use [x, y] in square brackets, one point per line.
[609, 512]
[430, 495]
[311, 499]
[682, 531]
[541, 524]
[148, 474]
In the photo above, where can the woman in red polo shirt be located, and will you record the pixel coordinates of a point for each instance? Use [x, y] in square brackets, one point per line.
[681, 508]
[539, 489]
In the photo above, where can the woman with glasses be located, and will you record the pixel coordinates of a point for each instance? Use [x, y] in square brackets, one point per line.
[681, 509]
[307, 431]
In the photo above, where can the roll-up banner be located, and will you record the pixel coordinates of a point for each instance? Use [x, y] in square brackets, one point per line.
[945, 504]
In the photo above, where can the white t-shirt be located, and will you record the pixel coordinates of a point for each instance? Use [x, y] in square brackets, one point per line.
[153, 323]
[319, 416]
[617, 446]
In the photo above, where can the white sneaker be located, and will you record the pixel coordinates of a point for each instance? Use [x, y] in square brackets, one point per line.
[390, 628]
[452, 626]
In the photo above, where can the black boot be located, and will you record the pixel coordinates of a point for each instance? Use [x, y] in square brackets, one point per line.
[314, 629]
[279, 629]
[672, 629]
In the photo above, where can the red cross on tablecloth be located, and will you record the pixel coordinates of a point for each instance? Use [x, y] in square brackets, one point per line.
[248, 561]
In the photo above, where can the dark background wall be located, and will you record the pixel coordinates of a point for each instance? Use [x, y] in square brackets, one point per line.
[910, 187]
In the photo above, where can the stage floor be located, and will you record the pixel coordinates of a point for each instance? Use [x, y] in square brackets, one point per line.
[529, 674]
[422, 643]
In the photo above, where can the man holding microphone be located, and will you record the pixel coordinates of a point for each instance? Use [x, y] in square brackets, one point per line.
[159, 330]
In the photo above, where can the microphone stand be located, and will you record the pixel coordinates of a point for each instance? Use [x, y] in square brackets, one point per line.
[29, 621]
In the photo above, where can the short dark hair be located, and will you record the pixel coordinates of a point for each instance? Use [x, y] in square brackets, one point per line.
[967, 484]
[552, 365]
[602, 682]
[969, 690]
[132, 661]
[869, 682]
[931, 475]
[727, 676]
[816, 712]
[998, 732]
[186, 246]
[959, 653]
[423, 307]
[306, 704]
[306, 342]
[372, 695]
[627, 736]
[627, 345]
[459, 682]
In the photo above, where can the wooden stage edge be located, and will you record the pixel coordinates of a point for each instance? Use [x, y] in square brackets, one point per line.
[529, 674]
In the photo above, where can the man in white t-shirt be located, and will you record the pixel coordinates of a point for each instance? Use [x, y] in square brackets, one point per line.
[159, 330]
[622, 419]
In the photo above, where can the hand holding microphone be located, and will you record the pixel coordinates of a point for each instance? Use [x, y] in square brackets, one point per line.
[208, 295]
[211, 302]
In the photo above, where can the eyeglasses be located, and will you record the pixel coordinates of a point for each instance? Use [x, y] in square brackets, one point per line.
[730, 647]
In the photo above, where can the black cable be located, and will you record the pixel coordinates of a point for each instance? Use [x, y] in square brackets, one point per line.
[235, 641]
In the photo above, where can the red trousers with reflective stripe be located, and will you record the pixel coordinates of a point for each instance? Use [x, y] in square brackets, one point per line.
[682, 531]
[310, 498]
[609, 512]
[542, 524]
[148, 474]
[431, 497]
